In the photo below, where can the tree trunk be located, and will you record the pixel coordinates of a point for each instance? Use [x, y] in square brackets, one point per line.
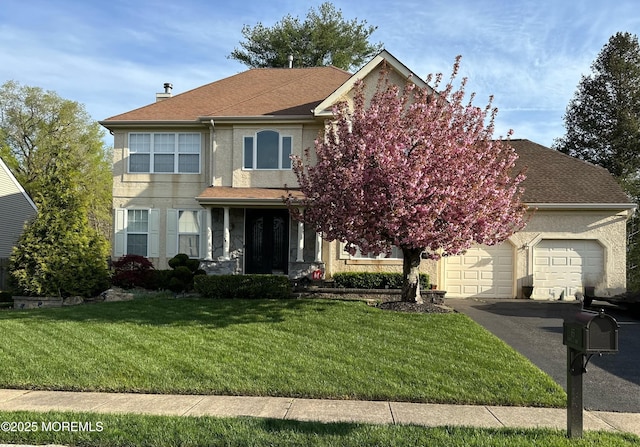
[411, 275]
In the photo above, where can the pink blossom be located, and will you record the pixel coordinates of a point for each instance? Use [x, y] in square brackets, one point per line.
[414, 169]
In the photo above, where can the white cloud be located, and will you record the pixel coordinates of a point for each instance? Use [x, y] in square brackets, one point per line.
[113, 56]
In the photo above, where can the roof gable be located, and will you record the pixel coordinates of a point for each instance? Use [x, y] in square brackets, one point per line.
[370, 69]
[9, 185]
[16, 208]
[252, 93]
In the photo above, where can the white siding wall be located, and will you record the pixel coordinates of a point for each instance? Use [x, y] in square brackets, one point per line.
[16, 208]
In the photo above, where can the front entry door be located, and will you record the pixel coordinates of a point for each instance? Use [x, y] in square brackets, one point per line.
[267, 241]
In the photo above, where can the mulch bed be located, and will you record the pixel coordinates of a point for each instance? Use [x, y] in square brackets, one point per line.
[403, 306]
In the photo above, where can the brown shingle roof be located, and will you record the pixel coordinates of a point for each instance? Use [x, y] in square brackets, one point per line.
[554, 177]
[263, 91]
[229, 195]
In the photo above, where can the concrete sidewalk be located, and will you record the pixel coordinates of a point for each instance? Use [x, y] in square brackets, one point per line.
[486, 416]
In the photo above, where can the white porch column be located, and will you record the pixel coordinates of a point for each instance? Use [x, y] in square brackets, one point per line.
[300, 254]
[318, 257]
[226, 236]
[209, 234]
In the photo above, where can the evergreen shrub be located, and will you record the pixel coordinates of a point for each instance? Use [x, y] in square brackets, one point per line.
[374, 280]
[184, 271]
[243, 286]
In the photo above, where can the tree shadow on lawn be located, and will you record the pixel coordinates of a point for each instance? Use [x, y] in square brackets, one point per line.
[164, 311]
[307, 427]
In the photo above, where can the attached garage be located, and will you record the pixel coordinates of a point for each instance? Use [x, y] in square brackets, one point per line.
[483, 271]
[562, 266]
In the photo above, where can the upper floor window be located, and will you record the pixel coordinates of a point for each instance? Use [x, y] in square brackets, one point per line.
[172, 153]
[267, 150]
[396, 254]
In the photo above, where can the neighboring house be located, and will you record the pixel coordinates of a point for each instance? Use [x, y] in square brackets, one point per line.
[16, 209]
[204, 172]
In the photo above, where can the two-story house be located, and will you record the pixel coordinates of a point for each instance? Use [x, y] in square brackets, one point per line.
[204, 172]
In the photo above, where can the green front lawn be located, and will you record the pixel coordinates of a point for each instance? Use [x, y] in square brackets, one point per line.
[164, 431]
[299, 348]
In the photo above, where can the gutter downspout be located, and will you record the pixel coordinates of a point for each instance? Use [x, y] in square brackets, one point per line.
[212, 142]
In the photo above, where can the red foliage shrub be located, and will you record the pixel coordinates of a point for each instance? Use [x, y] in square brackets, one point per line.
[132, 271]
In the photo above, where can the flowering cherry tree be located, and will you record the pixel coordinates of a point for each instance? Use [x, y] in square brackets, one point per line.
[414, 169]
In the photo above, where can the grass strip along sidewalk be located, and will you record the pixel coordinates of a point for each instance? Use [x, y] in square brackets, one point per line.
[297, 348]
[165, 431]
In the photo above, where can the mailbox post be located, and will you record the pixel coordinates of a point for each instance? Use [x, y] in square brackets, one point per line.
[585, 333]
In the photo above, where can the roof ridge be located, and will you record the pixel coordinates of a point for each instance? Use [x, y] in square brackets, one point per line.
[178, 95]
[570, 156]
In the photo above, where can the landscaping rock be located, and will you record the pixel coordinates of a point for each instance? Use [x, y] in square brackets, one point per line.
[116, 294]
[72, 301]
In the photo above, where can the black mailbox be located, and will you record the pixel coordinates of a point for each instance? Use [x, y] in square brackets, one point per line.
[591, 332]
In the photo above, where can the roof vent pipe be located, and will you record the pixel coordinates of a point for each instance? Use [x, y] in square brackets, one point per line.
[167, 87]
[290, 59]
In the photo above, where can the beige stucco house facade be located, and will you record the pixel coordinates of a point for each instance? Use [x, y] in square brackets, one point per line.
[204, 173]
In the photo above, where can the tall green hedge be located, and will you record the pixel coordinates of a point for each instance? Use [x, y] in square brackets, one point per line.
[369, 280]
[243, 286]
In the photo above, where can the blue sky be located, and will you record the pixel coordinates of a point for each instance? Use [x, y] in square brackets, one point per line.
[113, 56]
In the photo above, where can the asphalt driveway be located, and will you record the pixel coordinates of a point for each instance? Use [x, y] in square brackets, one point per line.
[534, 328]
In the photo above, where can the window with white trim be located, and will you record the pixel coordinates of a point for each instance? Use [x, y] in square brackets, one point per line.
[189, 233]
[396, 254]
[137, 232]
[267, 149]
[164, 153]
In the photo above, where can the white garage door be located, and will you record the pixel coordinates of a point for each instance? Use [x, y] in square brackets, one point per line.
[565, 266]
[483, 271]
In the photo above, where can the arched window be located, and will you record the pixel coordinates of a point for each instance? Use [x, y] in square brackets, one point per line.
[267, 150]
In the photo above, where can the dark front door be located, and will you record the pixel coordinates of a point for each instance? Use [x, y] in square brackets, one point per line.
[267, 241]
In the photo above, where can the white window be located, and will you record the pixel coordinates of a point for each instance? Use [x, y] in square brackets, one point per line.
[139, 152]
[164, 153]
[137, 232]
[267, 149]
[189, 233]
[396, 254]
[183, 235]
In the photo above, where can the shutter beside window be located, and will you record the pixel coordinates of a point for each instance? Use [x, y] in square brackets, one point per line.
[248, 153]
[120, 235]
[202, 217]
[172, 233]
[154, 233]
